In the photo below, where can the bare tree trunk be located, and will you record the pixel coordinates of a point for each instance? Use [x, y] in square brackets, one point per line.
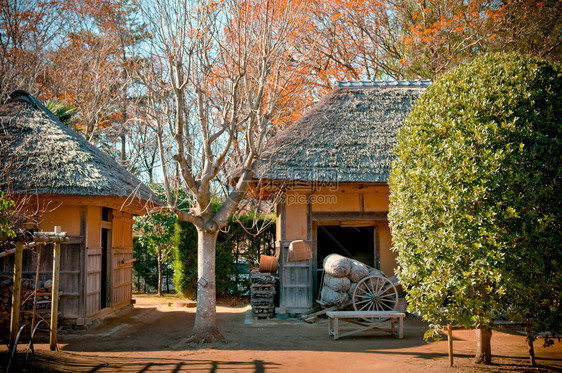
[483, 346]
[236, 291]
[123, 147]
[167, 280]
[205, 329]
[159, 292]
[530, 344]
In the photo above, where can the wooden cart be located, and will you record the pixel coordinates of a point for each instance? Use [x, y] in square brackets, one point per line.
[373, 293]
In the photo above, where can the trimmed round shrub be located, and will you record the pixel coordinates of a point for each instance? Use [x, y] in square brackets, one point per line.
[476, 203]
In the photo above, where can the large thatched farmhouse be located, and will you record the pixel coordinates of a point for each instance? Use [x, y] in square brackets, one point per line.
[332, 168]
[64, 181]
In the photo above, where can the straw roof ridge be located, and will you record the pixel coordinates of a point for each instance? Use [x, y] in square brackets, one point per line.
[40, 155]
[348, 136]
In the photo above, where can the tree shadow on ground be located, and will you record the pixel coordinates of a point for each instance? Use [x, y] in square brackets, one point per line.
[44, 362]
[167, 331]
[162, 333]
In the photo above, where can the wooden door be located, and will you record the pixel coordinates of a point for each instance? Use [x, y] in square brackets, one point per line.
[93, 280]
[69, 280]
[295, 283]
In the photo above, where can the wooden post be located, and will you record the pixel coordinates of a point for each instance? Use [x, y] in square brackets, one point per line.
[36, 287]
[450, 343]
[16, 294]
[55, 295]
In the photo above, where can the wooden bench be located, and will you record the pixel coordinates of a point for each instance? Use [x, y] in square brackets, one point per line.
[366, 321]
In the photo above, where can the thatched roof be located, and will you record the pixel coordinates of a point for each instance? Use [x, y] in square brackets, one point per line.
[39, 155]
[348, 136]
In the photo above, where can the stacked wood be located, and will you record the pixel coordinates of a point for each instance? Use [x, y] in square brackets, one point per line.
[43, 307]
[262, 293]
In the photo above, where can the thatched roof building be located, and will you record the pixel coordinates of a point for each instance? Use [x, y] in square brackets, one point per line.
[330, 170]
[347, 136]
[75, 186]
[39, 155]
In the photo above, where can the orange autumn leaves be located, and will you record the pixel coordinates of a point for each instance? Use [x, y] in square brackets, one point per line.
[75, 51]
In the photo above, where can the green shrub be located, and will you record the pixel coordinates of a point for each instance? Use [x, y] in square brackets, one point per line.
[476, 204]
[145, 267]
[185, 262]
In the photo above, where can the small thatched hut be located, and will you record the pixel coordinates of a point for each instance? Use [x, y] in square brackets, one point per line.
[332, 168]
[62, 180]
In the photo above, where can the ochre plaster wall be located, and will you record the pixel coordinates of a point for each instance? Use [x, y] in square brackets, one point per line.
[341, 199]
[93, 236]
[127, 230]
[67, 217]
[346, 198]
[296, 217]
[388, 257]
[117, 229]
[376, 199]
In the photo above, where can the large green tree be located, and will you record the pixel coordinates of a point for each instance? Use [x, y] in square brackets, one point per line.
[476, 203]
[155, 235]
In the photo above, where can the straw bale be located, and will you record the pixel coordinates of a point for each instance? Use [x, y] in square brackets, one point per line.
[337, 266]
[340, 284]
[334, 298]
[358, 271]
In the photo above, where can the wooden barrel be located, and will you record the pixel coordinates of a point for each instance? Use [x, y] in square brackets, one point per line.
[268, 263]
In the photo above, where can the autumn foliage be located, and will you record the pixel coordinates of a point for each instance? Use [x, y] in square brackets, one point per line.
[83, 53]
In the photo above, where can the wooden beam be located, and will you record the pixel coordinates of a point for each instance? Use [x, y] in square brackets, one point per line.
[106, 224]
[55, 295]
[134, 206]
[314, 247]
[10, 251]
[83, 261]
[282, 217]
[349, 215]
[377, 248]
[311, 263]
[35, 294]
[16, 294]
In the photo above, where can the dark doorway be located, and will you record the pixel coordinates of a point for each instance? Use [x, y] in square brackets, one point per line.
[104, 256]
[353, 242]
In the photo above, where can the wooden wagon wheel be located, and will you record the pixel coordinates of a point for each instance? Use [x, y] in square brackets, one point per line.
[375, 293]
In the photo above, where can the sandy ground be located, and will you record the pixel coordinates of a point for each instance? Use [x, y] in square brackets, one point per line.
[149, 338]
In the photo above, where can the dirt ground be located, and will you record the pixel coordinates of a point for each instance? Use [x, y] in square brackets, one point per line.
[149, 338]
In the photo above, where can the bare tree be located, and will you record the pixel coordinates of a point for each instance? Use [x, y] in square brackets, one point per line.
[29, 29]
[231, 76]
